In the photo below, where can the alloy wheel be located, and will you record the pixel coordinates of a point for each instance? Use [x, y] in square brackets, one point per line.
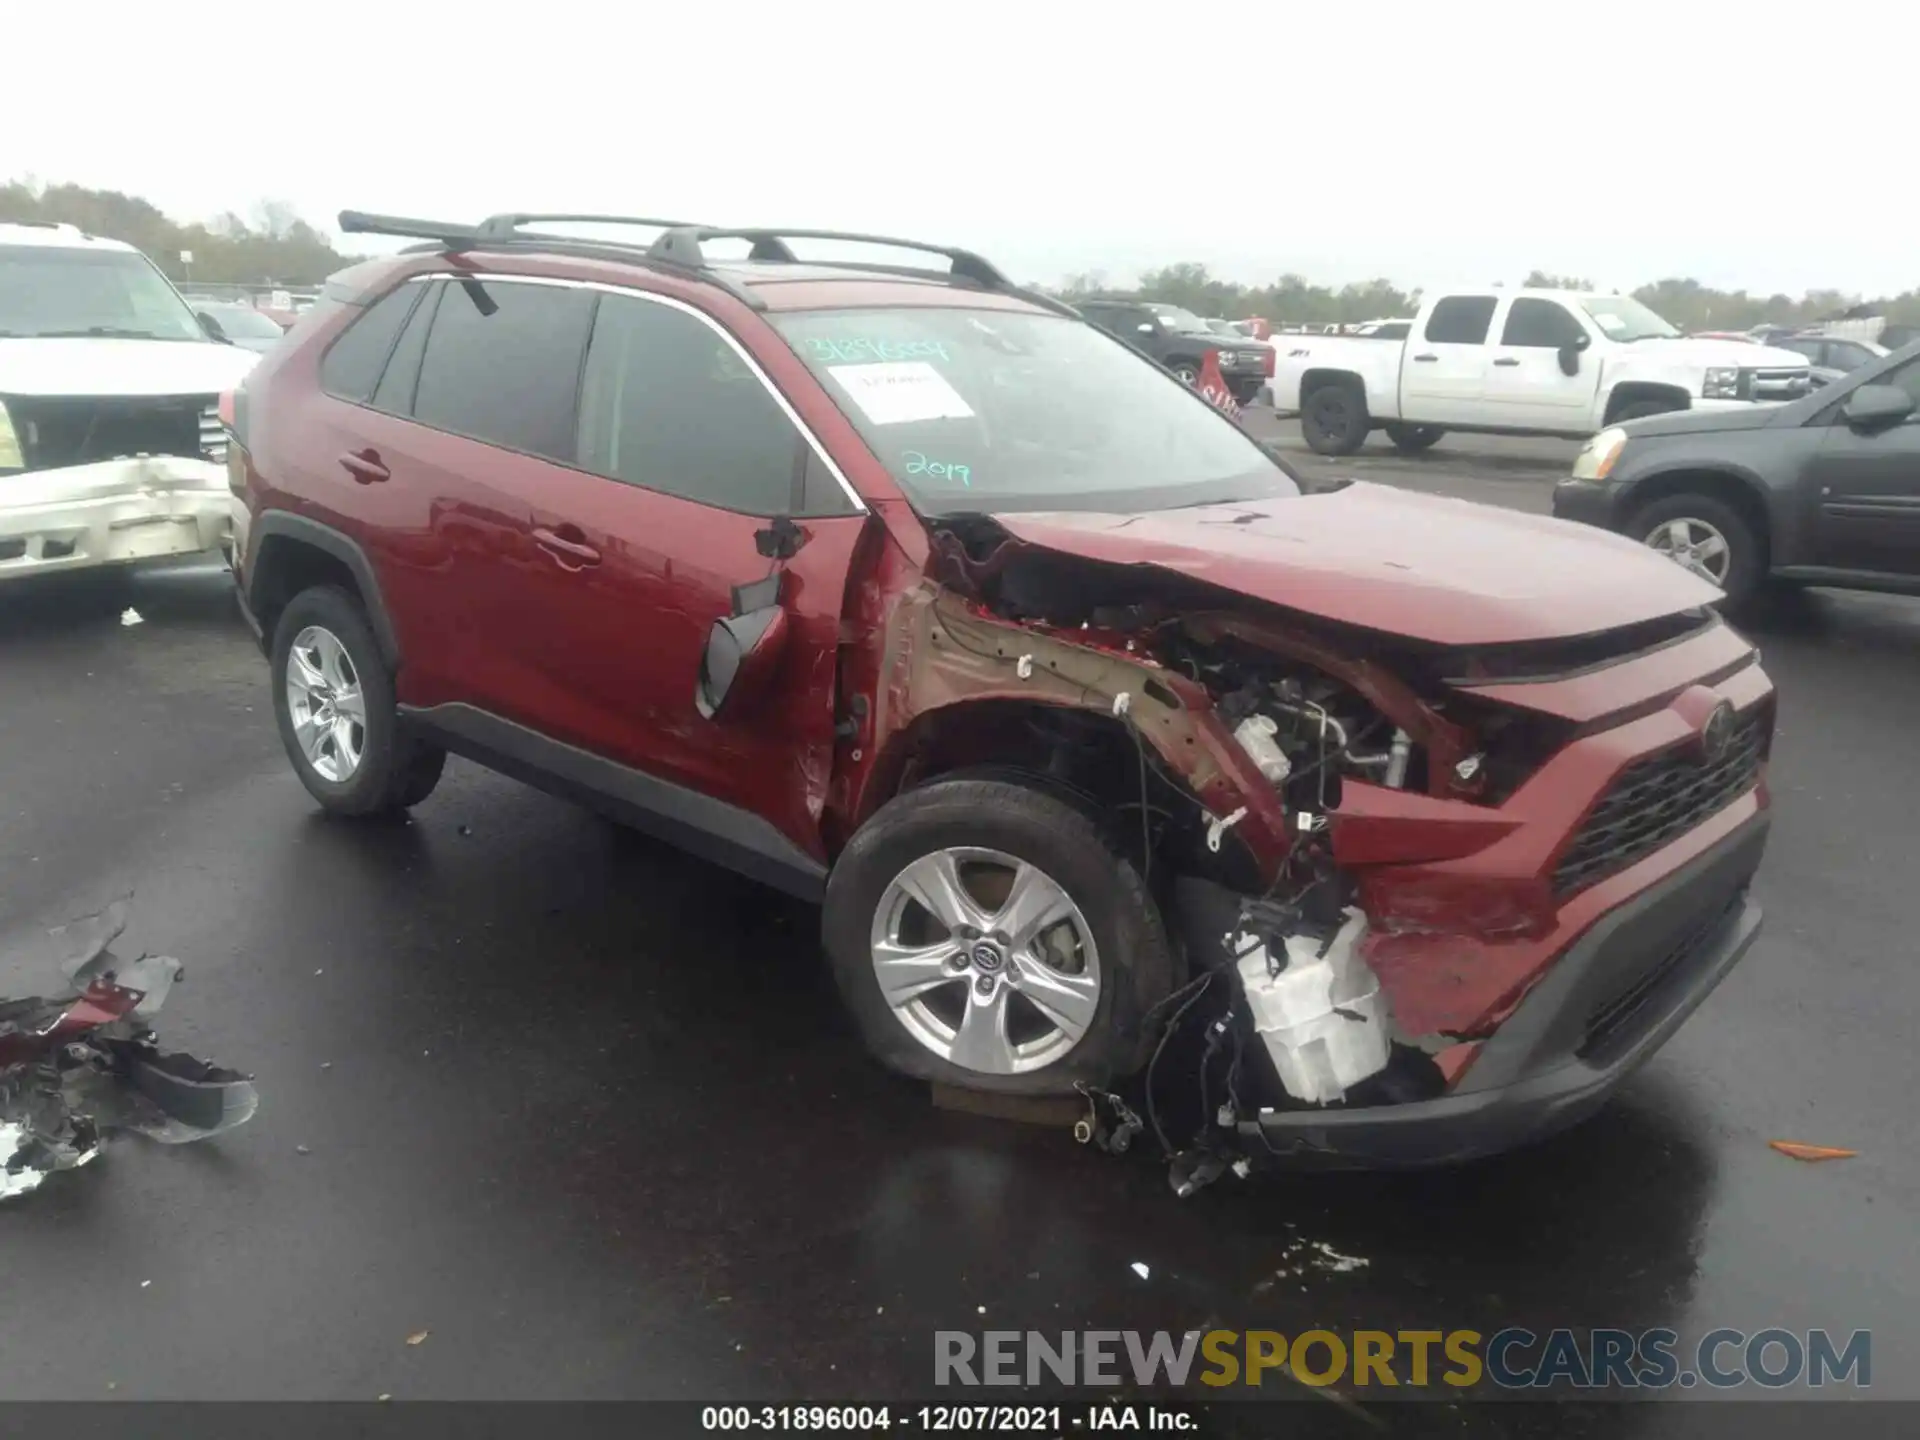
[1695, 544]
[986, 960]
[325, 701]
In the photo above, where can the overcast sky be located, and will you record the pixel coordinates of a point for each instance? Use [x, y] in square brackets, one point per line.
[1436, 144]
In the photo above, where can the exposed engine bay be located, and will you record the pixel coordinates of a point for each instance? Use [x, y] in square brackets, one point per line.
[1307, 784]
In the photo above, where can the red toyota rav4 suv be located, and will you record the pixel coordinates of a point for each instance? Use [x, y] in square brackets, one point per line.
[907, 590]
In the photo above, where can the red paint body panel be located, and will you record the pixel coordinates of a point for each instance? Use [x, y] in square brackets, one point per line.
[1458, 892]
[1423, 566]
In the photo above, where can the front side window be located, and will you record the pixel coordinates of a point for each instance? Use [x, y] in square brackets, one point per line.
[1540, 324]
[1461, 320]
[990, 410]
[668, 404]
[502, 364]
[58, 290]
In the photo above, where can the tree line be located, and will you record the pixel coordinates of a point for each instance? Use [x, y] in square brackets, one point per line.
[1293, 300]
[275, 246]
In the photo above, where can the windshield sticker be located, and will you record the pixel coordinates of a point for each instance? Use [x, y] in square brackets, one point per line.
[918, 464]
[860, 349]
[898, 392]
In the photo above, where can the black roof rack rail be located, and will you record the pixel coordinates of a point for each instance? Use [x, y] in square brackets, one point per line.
[683, 245]
[678, 248]
[503, 232]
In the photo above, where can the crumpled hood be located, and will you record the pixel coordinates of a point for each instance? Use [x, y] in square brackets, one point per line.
[82, 365]
[1430, 568]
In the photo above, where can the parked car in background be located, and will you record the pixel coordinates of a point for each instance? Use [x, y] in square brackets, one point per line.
[1525, 362]
[240, 325]
[1823, 491]
[903, 589]
[1831, 357]
[1181, 341]
[1382, 330]
[111, 449]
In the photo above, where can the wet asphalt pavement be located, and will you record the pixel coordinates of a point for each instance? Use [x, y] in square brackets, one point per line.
[584, 1111]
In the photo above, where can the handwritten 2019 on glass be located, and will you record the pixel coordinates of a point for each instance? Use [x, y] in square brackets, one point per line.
[918, 464]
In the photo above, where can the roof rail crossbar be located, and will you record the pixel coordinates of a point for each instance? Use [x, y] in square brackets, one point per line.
[683, 245]
[359, 222]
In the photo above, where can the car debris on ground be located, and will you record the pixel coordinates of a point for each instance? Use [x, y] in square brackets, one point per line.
[85, 1064]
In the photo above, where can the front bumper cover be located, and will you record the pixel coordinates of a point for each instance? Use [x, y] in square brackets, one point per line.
[115, 512]
[1612, 999]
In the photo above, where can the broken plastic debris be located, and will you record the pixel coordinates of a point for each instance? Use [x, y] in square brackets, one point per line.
[1811, 1152]
[419, 1337]
[1141, 1270]
[130, 616]
[80, 1065]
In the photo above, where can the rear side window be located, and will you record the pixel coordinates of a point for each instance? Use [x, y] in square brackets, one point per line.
[1461, 320]
[669, 405]
[351, 367]
[502, 365]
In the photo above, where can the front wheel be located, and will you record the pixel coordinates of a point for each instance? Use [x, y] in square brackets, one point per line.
[988, 936]
[1708, 537]
[1186, 372]
[1413, 439]
[1333, 418]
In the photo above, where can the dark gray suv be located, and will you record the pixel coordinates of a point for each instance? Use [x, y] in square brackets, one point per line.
[1824, 490]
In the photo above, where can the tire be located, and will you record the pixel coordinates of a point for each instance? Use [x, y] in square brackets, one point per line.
[1746, 562]
[392, 770]
[1130, 955]
[1333, 418]
[1640, 409]
[1186, 372]
[1414, 439]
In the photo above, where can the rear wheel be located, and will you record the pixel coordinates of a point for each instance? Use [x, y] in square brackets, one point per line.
[1412, 439]
[988, 936]
[1707, 536]
[1333, 417]
[334, 702]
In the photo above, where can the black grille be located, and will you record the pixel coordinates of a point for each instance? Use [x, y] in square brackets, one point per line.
[1607, 1019]
[62, 431]
[1654, 802]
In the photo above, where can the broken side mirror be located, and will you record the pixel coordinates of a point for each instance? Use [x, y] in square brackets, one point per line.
[1874, 407]
[743, 650]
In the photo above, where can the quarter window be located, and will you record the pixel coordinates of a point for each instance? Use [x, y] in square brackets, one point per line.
[352, 365]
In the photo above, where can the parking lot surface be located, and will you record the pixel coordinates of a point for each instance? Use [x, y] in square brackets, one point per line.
[584, 1110]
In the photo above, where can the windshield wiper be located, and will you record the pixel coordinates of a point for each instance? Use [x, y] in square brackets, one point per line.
[103, 332]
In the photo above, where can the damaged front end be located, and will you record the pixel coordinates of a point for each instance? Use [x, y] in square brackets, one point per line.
[80, 1067]
[1437, 899]
[90, 481]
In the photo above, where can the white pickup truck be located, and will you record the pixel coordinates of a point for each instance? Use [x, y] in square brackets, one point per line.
[1517, 362]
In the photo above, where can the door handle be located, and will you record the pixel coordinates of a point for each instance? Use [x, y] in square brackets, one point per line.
[572, 554]
[365, 467]
[1506, 360]
[1425, 359]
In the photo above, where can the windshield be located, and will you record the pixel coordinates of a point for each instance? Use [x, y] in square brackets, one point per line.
[1174, 318]
[1624, 319]
[54, 290]
[242, 322]
[997, 411]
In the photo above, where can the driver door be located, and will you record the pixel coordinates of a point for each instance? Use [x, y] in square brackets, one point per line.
[1867, 485]
[1527, 383]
